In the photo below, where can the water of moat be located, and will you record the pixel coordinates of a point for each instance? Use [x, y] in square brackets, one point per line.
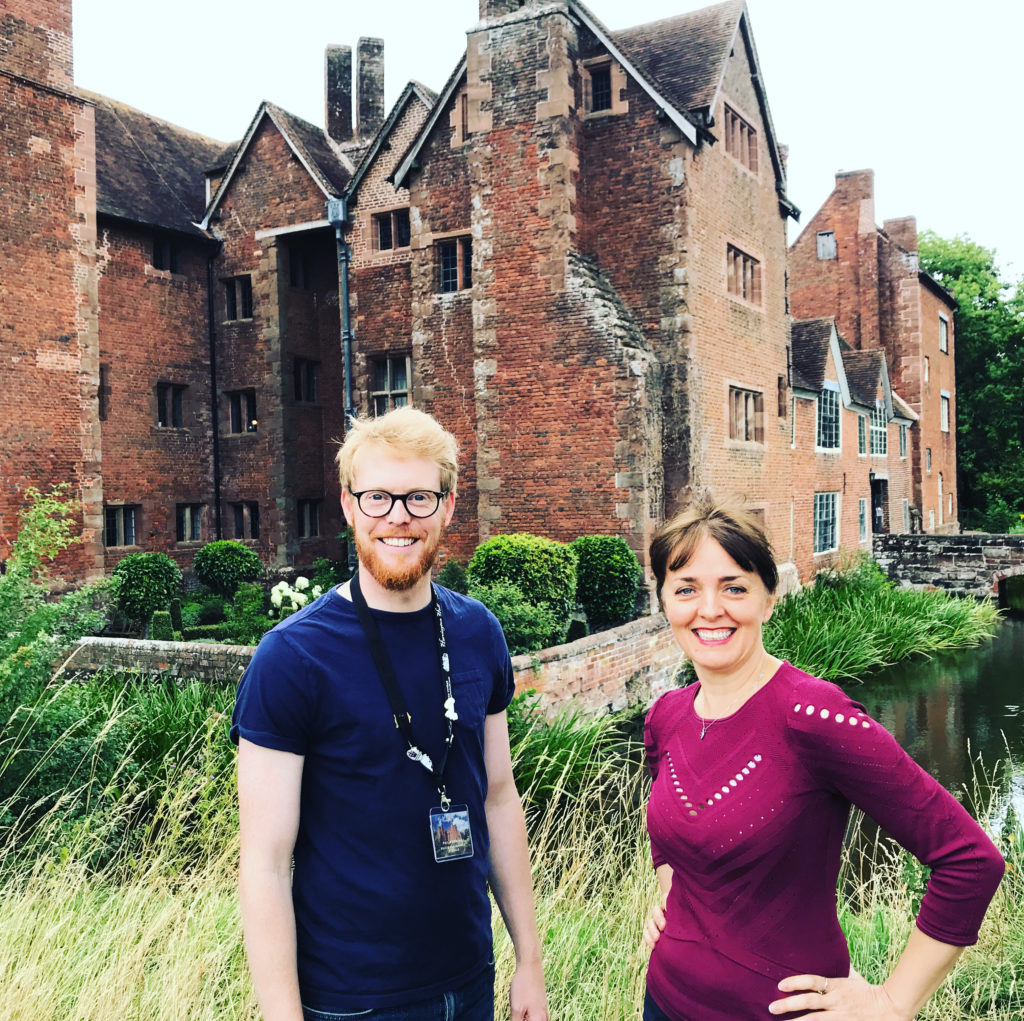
[956, 709]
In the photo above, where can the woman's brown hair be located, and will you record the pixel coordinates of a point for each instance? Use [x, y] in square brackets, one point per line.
[734, 527]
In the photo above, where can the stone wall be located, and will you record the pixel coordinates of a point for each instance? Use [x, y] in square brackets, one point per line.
[963, 565]
[628, 665]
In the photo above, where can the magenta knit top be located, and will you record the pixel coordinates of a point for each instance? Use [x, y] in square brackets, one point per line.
[752, 818]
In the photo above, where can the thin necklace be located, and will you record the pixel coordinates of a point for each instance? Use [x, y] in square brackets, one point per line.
[705, 725]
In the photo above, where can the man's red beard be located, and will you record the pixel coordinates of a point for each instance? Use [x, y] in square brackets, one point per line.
[389, 578]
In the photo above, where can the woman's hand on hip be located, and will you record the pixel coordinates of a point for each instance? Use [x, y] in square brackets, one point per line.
[845, 999]
[654, 926]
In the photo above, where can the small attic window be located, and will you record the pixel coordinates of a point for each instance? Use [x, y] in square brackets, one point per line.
[601, 88]
[603, 83]
[740, 139]
[827, 244]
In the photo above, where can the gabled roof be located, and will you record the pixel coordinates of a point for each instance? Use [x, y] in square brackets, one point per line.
[860, 373]
[686, 54]
[330, 166]
[412, 92]
[148, 171]
[866, 371]
[811, 339]
[679, 62]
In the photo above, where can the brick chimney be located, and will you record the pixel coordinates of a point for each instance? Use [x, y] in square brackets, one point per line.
[903, 231]
[499, 8]
[370, 89]
[858, 186]
[338, 92]
[36, 41]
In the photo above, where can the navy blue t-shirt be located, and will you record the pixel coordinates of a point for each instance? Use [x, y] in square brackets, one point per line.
[378, 921]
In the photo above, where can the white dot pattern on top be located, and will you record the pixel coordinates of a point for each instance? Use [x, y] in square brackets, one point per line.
[702, 802]
[838, 717]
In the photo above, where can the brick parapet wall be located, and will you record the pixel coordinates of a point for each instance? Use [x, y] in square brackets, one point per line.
[964, 565]
[627, 665]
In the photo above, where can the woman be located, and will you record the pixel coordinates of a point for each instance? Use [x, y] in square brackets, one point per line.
[754, 771]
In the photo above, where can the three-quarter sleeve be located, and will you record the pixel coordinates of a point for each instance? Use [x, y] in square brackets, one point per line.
[860, 760]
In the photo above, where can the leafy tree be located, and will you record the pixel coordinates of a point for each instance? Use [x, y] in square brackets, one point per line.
[222, 565]
[989, 351]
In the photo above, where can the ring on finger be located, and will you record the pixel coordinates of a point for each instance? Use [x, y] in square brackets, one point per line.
[824, 989]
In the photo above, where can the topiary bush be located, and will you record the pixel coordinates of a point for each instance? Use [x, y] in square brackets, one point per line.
[608, 578]
[148, 582]
[543, 570]
[212, 610]
[224, 564]
[160, 627]
[527, 627]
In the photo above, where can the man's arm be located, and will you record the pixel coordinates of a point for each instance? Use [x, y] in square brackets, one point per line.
[269, 785]
[509, 875]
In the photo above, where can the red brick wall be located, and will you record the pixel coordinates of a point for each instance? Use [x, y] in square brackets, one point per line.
[289, 457]
[48, 345]
[731, 341]
[154, 330]
[874, 291]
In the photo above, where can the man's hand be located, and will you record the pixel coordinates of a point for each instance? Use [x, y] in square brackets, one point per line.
[526, 995]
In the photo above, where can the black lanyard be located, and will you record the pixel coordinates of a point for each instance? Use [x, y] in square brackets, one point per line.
[382, 661]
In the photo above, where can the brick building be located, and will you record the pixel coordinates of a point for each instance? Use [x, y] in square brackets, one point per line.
[574, 254]
[868, 279]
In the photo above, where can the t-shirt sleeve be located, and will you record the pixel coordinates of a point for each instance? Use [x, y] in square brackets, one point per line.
[276, 701]
[859, 759]
[504, 688]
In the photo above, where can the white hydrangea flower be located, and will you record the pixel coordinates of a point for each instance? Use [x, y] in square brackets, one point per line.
[301, 583]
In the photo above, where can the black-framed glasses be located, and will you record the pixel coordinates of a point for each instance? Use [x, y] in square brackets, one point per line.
[419, 503]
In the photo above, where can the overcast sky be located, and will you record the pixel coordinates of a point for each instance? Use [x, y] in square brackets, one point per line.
[925, 92]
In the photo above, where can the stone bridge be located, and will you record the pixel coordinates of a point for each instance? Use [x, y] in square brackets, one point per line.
[975, 564]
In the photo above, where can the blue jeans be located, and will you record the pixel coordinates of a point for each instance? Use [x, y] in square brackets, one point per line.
[471, 1002]
[652, 1012]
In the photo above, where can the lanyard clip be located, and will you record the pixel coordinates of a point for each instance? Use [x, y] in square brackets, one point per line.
[421, 757]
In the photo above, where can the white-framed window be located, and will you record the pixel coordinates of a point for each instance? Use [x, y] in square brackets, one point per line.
[927, 368]
[119, 525]
[931, 520]
[391, 383]
[827, 437]
[943, 333]
[928, 460]
[792, 422]
[827, 244]
[949, 503]
[863, 518]
[879, 430]
[944, 410]
[903, 441]
[939, 501]
[188, 522]
[906, 517]
[746, 415]
[862, 434]
[826, 522]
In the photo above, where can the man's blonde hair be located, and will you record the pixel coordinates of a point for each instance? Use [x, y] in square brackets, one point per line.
[407, 432]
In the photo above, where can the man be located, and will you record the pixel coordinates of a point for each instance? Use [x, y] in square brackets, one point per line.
[373, 746]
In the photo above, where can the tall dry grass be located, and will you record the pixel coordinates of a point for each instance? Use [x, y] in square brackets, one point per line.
[149, 930]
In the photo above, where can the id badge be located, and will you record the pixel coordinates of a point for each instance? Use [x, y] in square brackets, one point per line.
[450, 833]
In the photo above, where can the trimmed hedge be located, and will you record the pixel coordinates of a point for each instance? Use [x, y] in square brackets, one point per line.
[527, 627]
[543, 570]
[608, 579]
